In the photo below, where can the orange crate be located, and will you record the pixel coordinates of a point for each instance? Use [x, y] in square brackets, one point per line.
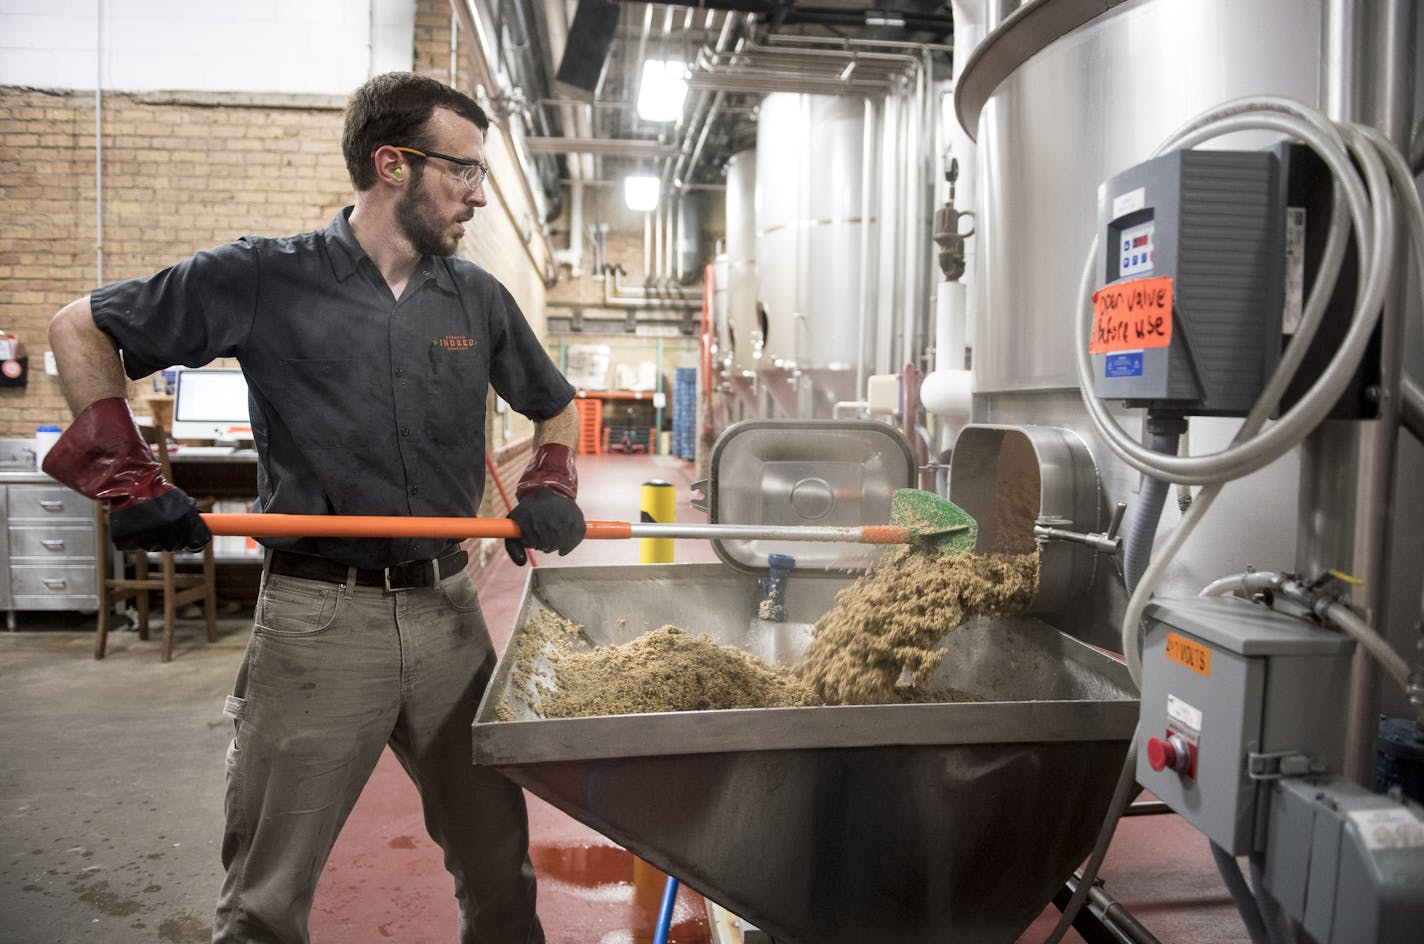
[590, 425]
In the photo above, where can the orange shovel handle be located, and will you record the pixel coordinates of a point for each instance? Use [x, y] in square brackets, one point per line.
[384, 526]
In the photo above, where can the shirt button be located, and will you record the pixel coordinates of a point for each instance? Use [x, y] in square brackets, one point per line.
[405, 430]
[400, 371]
[415, 489]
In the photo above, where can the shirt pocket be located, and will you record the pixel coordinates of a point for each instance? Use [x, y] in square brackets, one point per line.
[455, 392]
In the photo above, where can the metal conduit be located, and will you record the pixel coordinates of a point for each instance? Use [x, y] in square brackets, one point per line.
[484, 75]
[761, 83]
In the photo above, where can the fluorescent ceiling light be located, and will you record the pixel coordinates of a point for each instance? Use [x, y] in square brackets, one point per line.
[640, 194]
[663, 90]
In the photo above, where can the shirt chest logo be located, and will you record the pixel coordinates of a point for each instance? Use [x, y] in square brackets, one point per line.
[454, 342]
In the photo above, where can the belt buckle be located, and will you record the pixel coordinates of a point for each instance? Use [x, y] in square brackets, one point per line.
[434, 566]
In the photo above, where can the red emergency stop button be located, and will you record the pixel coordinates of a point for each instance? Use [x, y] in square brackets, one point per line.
[1170, 752]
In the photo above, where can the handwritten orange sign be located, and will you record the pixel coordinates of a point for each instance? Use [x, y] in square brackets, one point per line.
[1130, 316]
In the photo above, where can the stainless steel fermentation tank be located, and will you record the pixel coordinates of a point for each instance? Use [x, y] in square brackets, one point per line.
[1051, 126]
[834, 285]
[809, 221]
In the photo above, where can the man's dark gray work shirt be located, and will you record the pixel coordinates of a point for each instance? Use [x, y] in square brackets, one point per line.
[361, 404]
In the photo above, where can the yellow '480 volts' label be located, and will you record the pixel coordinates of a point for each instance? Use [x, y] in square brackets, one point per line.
[1193, 655]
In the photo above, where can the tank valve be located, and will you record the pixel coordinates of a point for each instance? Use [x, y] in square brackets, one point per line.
[772, 603]
[1045, 530]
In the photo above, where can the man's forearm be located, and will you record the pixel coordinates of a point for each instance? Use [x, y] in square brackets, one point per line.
[562, 429]
[87, 358]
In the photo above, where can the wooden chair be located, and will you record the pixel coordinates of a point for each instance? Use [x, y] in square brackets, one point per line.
[179, 587]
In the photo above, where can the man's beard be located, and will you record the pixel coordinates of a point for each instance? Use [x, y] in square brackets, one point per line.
[416, 216]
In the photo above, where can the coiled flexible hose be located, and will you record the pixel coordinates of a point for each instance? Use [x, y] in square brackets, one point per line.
[1371, 210]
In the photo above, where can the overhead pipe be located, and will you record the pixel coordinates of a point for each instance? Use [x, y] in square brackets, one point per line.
[576, 120]
[642, 291]
[788, 39]
[704, 112]
[485, 76]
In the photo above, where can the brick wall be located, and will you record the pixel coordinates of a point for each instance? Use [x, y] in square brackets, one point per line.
[432, 40]
[179, 174]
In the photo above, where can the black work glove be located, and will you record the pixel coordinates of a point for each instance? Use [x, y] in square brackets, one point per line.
[169, 522]
[102, 456]
[547, 522]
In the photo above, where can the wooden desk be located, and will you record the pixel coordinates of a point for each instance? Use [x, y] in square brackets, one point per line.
[211, 475]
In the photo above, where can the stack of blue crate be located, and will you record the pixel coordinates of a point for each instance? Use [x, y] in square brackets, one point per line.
[684, 413]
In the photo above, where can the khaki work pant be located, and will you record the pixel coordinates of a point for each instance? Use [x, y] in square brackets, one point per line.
[333, 673]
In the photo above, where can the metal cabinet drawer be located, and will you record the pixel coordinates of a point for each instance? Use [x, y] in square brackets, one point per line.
[52, 542]
[39, 580]
[48, 501]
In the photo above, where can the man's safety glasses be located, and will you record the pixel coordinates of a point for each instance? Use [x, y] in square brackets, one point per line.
[472, 173]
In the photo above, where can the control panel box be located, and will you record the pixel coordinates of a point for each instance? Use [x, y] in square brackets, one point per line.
[1345, 863]
[1188, 314]
[1234, 696]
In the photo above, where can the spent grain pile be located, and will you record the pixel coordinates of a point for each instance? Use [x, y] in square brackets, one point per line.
[875, 646]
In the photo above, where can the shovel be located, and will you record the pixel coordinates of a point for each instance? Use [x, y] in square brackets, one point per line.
[920, 518]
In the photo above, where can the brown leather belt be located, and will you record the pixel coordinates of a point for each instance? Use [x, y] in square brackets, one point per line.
[408, 575]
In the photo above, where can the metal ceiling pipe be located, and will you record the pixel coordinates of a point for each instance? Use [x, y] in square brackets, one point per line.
[645, 292]
[787, 39]
[704, 113]
[486, 78]
[657, 270]
[840, 52]
[642, 291]
[669, 230]
[574, 116]
[609, 147]
[761, 84]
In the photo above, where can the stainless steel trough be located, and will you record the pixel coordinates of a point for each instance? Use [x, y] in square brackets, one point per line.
[888, 824]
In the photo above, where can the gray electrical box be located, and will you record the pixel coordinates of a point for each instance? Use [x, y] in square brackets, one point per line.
[1188, 314]
[1234, 697]
[1346, 863]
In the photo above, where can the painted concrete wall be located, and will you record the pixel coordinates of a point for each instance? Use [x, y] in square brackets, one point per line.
[292, 46]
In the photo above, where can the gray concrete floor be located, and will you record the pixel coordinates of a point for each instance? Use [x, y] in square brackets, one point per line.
[107, 779]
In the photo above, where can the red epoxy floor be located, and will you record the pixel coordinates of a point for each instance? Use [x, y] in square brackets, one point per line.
[385, 881]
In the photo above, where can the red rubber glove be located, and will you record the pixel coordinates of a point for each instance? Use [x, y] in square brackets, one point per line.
[548, 517]
[102, 456]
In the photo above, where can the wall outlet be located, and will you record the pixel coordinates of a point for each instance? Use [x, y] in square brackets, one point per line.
[51, 367]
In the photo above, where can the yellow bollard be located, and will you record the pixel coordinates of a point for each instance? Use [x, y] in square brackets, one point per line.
[659, 505]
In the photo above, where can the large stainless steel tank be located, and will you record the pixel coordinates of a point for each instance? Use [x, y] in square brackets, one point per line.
[743, 333]
[809, 200]
[1090, 104]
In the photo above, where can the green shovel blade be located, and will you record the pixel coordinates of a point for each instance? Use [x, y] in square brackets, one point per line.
[935, 523]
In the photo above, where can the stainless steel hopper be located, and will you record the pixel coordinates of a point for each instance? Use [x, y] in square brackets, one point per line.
[889, 824]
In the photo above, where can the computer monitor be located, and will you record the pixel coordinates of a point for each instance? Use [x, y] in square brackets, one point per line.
[211, 403]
